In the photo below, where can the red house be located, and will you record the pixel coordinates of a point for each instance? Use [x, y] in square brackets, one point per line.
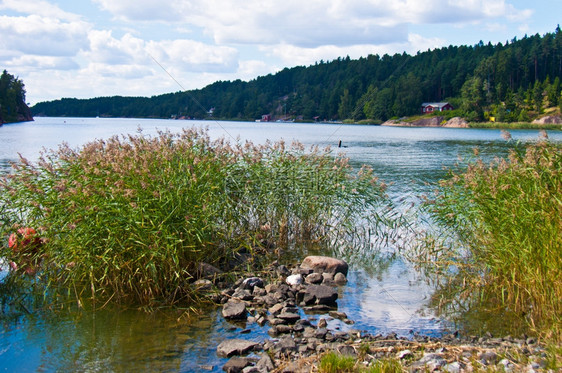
[430, 107]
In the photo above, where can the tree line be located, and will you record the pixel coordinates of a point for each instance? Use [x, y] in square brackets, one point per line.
[12, 100]
[513, 81]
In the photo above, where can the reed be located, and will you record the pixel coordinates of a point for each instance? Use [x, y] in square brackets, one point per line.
[508, 248]
[130, 218]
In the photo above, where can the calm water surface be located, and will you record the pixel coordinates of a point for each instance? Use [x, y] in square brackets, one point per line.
[382, 295]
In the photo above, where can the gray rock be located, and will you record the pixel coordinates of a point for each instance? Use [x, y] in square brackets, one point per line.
[234, 310]
[232, 347]
[282, 270]
[206, 270]
[265, 364]
[488, 358]
[294, 279]
[283, 329]
[320, 333]
[507, 365]
[320, 294]
[338, 315]
[203, 284]
[286, 344]
[236, 364]
[454, 367]
[276, 309]
[346, 350]
[242, 294]
[314, 278]
[340, 279]
[252, 282]
[289, 317]
[432, 361]
[293, 367]
[325, 264]
[404, 354]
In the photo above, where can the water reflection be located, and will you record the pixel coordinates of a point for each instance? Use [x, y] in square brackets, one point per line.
[384, 293]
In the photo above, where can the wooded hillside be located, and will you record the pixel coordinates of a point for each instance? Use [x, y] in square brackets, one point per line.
[12, 100]
[514, 81]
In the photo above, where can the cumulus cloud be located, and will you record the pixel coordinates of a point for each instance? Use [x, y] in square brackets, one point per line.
[144, 10]
[38, 7]
[313, 23]
[194, 56]
[43, 36]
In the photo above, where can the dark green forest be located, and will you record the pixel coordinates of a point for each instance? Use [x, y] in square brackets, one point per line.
[12, 100]
[514, 81]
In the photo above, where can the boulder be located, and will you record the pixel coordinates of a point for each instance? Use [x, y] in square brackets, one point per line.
[340, 279]
[252, 282]
[234, 310]
[428, 122]
[320, 294]
[265, 364]
[549, 119]
[314, 278]
[456, 122]
[294, 279]
[325, 264]
[232, 347]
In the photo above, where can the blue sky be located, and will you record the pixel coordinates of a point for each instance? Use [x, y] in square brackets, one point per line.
[92, 48]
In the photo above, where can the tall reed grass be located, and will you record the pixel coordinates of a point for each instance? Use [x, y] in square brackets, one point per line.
[507, 217]
[130, 218]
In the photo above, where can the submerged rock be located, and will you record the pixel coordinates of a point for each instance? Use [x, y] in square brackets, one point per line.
[233, 347]
[237, 364]
[320, 294]
[234, 310]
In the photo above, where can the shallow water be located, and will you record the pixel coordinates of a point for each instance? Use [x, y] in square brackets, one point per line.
[383, 294]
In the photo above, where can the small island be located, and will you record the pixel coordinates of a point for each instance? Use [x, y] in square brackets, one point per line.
[12, 100]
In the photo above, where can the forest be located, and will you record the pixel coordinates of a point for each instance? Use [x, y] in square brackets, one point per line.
[12, 100]
[512, 82]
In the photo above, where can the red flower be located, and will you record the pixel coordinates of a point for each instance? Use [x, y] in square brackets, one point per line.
[12, 241]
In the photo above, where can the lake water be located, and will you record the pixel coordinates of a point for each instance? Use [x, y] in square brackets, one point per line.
[382, 295]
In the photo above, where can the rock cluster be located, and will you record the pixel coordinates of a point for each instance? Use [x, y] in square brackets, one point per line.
[290, 305]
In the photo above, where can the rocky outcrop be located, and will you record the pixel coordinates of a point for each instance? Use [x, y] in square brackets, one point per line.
[549, 119]
[428, 122]
[456, 122]
[423, 122]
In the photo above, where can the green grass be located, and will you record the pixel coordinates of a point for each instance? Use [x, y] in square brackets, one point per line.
[515, 125]
[508, 225]
[336, 363]
[129, 219]
[333, 362]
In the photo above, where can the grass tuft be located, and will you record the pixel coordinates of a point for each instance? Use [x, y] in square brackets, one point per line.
[130, 218]
[507, 220]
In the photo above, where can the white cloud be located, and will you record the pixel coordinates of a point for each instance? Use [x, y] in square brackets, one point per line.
[38, 7]
[42, 36]
[194, 56]
[41, 63]
[143, 10]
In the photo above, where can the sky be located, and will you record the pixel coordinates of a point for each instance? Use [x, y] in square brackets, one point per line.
[93, 48]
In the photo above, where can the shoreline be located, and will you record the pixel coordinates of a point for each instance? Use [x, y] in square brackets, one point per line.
[305, 328]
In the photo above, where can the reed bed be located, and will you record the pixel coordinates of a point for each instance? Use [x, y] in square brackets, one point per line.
[507, 251]
[131, 218]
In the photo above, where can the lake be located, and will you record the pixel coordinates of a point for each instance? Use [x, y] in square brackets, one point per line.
[383, 294]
